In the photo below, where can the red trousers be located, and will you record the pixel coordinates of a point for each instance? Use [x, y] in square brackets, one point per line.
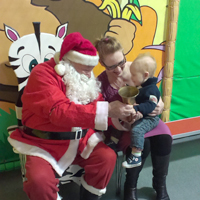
[41, 183]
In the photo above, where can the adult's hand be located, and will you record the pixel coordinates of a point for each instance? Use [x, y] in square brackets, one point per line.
[159, 108]
[120, 110]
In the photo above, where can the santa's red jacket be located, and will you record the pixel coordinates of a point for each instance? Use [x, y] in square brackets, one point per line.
[46, 108]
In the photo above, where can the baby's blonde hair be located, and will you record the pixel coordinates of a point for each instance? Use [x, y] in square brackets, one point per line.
[107, 45]
[145, 65]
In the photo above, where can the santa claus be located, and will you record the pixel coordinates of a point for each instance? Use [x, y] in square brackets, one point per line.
[62, 107]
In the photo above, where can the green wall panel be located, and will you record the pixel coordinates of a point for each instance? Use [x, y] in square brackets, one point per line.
[186, 78]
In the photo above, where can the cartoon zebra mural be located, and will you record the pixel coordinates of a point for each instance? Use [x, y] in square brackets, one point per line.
[27, 51]
[24, 54]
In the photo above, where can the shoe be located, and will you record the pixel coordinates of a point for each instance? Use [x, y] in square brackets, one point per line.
[132, 161]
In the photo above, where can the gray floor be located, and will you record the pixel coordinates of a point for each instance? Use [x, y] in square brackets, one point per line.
[183, 180]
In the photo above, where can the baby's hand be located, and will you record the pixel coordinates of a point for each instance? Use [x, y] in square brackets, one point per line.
[138, 116]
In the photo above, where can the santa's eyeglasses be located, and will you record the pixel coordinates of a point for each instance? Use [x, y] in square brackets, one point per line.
[120, 64]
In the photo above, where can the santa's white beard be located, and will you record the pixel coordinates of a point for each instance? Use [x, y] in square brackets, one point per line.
[79, 88]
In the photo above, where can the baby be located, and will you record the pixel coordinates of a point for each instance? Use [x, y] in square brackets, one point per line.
[142, 74]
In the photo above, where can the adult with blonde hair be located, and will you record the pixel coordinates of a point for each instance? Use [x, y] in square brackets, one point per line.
[158, 141]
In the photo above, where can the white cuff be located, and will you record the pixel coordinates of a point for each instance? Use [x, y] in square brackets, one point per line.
[101, 119]
[94, 139]
[92, 189]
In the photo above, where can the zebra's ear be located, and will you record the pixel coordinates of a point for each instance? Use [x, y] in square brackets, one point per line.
[11, 33]
[61, 30]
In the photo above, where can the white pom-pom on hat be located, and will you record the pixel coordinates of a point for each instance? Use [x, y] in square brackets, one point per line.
[60, 69]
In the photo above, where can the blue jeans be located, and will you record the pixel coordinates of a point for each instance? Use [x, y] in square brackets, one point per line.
[139, 128]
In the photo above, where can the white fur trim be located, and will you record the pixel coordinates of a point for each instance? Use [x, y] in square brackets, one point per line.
[59, 166]
[124, 127]
[101, 119]
[92, 189]
[80, 58]
[91, 143]
[60, 69]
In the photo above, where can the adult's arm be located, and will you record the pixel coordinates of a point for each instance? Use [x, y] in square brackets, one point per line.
[45, 104]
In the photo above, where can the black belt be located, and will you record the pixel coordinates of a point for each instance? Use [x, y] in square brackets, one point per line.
[55, 135]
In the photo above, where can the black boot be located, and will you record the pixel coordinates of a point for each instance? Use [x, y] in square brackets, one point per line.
[130, 185]
[86, 195]
[132, 174]
[160, 170]
[130, 193]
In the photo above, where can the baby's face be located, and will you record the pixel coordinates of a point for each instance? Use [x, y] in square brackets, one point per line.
[137, 75]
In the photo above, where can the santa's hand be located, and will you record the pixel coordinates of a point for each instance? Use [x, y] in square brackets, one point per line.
[118, 29]
[120, 110]
[131, 119]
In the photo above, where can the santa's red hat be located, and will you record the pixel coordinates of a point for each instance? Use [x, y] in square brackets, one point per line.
[79, 50]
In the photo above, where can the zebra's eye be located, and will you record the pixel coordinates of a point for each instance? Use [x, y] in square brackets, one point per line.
[28, 63]
[32, 64]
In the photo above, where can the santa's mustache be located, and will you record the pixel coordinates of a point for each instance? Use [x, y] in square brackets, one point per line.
[84, 78]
